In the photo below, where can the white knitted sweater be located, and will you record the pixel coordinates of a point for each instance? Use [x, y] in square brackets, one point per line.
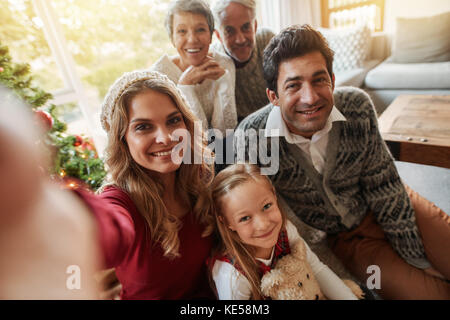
[212, 101]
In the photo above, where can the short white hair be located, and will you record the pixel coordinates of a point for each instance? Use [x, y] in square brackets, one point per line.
[192, 6]
[220, 6]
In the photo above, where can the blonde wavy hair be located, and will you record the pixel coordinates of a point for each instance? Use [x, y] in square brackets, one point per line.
[192, 180]
[227, 241]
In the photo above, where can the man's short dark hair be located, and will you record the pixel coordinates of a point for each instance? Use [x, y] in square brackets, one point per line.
[290, 43]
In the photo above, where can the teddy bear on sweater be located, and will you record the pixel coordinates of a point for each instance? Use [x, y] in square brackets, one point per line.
[293, 279]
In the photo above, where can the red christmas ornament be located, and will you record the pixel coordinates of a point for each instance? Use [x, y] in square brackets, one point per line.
[78, 141]
[88, 144]
[44, 119]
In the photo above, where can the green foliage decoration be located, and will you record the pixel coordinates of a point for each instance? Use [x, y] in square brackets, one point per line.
[74, 157]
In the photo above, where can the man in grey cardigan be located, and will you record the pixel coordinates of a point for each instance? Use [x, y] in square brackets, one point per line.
[240, 38]
[337, 175]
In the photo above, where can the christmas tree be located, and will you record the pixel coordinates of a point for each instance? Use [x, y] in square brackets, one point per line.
[75, 157]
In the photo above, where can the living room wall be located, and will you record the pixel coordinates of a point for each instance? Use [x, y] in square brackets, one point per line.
[411, 8]
[277, 15]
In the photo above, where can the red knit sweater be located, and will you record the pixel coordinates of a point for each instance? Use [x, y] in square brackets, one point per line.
[142, 269]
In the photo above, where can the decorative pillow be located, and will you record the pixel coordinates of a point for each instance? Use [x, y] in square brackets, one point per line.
[425, 39]
[351, 46]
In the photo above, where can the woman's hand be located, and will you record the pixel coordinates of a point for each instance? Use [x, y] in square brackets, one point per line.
[48, 237]
[209, 69]
[109, 284]
[433, 272]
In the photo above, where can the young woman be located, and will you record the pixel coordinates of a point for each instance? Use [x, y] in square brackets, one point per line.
[155, 230]
[206, 79]
[254, 234]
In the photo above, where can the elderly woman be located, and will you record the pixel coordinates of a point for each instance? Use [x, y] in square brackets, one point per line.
[207, 80]
[154, 229]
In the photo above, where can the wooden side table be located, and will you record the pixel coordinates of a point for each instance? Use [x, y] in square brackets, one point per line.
[417, 129]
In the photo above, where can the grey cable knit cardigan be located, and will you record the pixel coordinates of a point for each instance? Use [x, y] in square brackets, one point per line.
[359, 176]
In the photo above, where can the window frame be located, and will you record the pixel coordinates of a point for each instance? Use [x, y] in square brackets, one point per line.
[326, 11]
[73, 90]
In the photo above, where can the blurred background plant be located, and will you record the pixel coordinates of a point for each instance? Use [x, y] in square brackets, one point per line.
[104, 39]
[74, 157]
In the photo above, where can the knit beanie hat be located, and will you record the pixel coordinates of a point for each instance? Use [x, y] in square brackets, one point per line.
[125, 81]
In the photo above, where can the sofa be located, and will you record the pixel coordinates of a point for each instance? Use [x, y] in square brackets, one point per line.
[390, 78]
[413, 59]
[356, 52]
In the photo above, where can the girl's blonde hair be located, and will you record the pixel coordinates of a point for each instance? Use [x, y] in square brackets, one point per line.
[228, 242]
[192, 180]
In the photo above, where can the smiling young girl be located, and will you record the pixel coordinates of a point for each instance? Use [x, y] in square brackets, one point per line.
[254, 234]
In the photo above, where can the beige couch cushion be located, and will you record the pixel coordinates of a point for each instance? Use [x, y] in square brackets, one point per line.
[389, 75]
[351, 46]
[424, 39]
[354, 77]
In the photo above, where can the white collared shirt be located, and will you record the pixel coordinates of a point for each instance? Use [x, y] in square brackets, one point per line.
[316, 147]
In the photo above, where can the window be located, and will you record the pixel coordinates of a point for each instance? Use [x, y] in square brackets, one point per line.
[21, 30]
[345, 13]
[77, 49]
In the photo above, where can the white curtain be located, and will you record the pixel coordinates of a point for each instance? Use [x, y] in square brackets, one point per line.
[268, 14]
[278, 14]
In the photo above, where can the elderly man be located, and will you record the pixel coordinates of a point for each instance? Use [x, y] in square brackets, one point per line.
[337, 175]
[236, 28]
